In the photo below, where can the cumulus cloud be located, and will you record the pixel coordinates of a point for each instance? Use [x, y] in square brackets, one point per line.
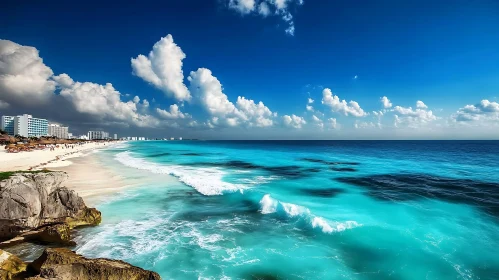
[485, 111]
[27, 83]
[386, 102]
[255, 114]
[332, 123]
[310, 100]
[136, 99]
[208, 90]
[293, 121]
[63, 80]
[341, 106]
[24, 78]
[413, 118]
[265, 8]
[420, 104]
[173, 113]
[104, 102]
[163, 68]
[309, 108]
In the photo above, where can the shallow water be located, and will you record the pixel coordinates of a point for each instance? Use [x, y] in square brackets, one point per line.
[304, 210]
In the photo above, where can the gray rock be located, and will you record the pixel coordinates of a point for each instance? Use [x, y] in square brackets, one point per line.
[32, 200]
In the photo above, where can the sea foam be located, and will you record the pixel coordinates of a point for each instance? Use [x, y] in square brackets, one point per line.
[207, 181]
[270, 205]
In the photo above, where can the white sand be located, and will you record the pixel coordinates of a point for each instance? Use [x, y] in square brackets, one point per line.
[44, 158]
[91, 179]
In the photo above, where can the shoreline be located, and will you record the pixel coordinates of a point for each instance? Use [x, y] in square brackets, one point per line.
[88, 177]
[38, 159]
[92, 180]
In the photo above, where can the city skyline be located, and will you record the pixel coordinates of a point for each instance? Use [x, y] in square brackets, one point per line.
[292, 70]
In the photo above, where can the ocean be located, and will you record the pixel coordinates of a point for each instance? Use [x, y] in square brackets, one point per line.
[303, 209]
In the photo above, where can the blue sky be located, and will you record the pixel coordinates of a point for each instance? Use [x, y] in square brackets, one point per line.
[443, 53]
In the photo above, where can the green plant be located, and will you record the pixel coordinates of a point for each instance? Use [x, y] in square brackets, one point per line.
[8, 174]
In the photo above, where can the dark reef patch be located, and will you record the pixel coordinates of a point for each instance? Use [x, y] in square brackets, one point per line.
[344, 169]
[315, 160]
[402, 187]
[193, 154]
[159, 155]
[289, 171]
[329, 192]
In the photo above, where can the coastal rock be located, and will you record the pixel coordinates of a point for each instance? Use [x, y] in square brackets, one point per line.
[10, 265]
[59, 233]
[29, 201]
[59, 263]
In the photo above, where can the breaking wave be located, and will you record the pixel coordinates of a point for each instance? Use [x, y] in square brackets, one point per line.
[270, 205]
[207, 181]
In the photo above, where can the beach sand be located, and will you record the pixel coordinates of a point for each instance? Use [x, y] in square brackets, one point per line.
[26, 160]
[91, 179]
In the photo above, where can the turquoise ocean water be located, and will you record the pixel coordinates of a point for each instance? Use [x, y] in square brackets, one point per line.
[303, 210]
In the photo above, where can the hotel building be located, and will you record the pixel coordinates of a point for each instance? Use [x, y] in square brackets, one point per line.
[58, 131]
[97, 135]
[25, 125]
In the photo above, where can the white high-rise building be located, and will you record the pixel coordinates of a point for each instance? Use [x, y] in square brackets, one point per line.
[58, 131]
[25, 125]
[115, 136]
[97, 135]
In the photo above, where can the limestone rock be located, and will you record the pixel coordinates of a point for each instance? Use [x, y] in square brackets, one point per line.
[31, 200]
[59, 233]
[10, 265]
[65, 264]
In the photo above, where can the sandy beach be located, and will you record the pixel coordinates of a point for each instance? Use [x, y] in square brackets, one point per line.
[45, 158]
[87, 176]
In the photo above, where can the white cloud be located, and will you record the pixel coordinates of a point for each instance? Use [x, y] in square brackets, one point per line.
[104, 102]
[145, 103]
[310, 100]
[413, 118]
[355, 77]
[485, 111]
[421, 105]
[242, 6]
[293, 121]
[281, 8]
[208, 90]
[255, 114]
[364, 125]
[332, 123]
[263, 9]
[63, 80]
[351, 108]
[386, 102]
[174, 113]
[163, 68]
[310, 108]
[136, 99]
[24, 78]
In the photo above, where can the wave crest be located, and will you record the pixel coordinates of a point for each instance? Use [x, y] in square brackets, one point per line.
[270, 205]
[207, 181]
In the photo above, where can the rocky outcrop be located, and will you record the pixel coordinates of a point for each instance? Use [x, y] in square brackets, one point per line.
[65, 264]
[30, 201]
[10, 266]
